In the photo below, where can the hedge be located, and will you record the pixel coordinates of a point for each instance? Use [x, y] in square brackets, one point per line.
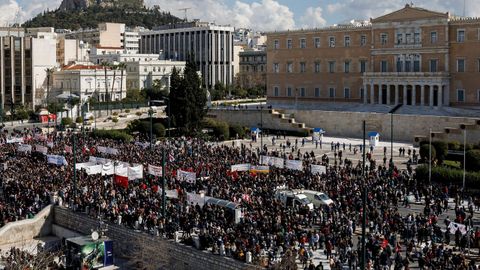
[425, 154]
[220, 128]
[472, 158]
[144, 127]
[448, 176]
[67, 121]
[234, 130]
[112, 134]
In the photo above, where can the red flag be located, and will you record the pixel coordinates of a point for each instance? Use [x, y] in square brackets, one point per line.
[155, 189]
[121, 181]
[93, 151]
[85, 150]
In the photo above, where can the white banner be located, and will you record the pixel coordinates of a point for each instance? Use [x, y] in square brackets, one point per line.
[278, 162]
[144, 145]
[107, 150]
[121, 170]
[240, 167]
[195, 199]
[94, 169]
[452, 228]
[108, 168]
[15, 140]
[42, 149]
[58, 160]
[294, 164]
[320, 169]
[98, 160]
[155, 170]
[83, 165]
[135, 172]
[24, 148]
[190, 177]
[266, 160]
[39, 137]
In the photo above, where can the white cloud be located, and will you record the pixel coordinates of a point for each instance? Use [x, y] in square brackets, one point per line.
[312, 18]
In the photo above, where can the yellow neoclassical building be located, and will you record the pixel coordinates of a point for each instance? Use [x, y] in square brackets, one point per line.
[412, 56]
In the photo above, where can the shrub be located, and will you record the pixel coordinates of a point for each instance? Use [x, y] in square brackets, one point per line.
[424, 152]
[66, 121]
[115, 113]
[138, 113]
[158, 129]
[112, 134]
[220, 128]
[448, 176]
[441, 150]
[138, 126]
[79, 120]
[127, 110]
[91, 118]
[115, 120]
[472, 158]
[454, 145]
[234, 130]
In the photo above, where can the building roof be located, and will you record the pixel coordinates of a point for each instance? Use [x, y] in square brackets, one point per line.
[82, 67]
[109, 48]
[409, 13]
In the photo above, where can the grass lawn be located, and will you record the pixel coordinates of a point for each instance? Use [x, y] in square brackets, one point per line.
[453, 164]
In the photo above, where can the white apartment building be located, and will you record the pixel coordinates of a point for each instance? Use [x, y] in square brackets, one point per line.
[86, 81]
[142, 74]
[98, 56]
[211, 45]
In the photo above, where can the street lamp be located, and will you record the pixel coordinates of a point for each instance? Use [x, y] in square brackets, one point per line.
[391, 112]
[430, 156]
[364, 202]
[150, 113]
[464, 127]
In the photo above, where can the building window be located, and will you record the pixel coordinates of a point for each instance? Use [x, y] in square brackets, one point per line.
[461, 35]
[408, 66]
[317, 42]
[276, 44]
[460, 65]
[347, 66]
[331, 92]
[408, 38]
[416, 38]
[346, 93]
[276, 67]
[433, 37]
[331, 66]
[276, 91]
[399, 38]
[303, 92]
[289, 67]
[383, 38]
[433, 65]
[302, 67]
[363, 66]
[416, 65]
[289, 91]
[460, 95]
[399, 65]
[383, 66]
[317, 67]
[362, 92]
[331, 42]
[303, 43]
[289, 43]
[317, 92]
[363, 40]
[347, 41]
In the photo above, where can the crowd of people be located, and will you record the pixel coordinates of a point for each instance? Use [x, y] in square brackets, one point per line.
[268, 231]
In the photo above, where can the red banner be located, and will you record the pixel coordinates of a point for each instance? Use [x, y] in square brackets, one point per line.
[121, 181]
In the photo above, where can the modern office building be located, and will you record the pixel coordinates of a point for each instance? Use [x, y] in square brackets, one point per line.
[211, 45]
[412, 56]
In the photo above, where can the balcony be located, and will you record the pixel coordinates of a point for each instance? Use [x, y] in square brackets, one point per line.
[406, 74]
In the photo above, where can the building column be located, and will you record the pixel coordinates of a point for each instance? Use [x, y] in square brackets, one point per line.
[446, 102]
[431, 95]
[422, 95]
[439, 96]
[414, 94]
[396, 94]
[388, 94]
[372, 94]
[365, 87]
[380, 94]
[405, 94]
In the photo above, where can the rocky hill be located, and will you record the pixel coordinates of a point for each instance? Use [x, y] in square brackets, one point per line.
[83, 4]
[85, 14]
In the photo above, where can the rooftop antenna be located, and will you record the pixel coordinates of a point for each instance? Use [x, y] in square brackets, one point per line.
[185, 11]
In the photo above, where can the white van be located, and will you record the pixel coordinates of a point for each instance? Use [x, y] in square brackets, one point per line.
[291, 198]
[317, 198]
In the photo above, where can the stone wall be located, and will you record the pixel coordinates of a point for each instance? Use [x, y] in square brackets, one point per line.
[349, 124]
[150, 250]
[24, 230]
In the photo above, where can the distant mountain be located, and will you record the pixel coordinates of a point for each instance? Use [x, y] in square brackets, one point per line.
[85, 14]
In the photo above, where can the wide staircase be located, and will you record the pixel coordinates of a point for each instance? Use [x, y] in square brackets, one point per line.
[284, 121]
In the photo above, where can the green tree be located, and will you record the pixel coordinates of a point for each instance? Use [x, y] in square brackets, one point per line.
[219, 91]
[135, 95]
[441, 150]
[424, 152]
[472, 158]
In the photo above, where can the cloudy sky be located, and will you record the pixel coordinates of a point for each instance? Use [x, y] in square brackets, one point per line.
[264, 15]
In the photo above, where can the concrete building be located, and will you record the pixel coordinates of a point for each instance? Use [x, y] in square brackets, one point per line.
[109, 36]
[253, 69]
[211, 45]
[71, 50]
[142, 74]
[411, 56]
[87, 81]
[23, 64]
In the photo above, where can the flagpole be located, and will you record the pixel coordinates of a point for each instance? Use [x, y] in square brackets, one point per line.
[74, 172]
